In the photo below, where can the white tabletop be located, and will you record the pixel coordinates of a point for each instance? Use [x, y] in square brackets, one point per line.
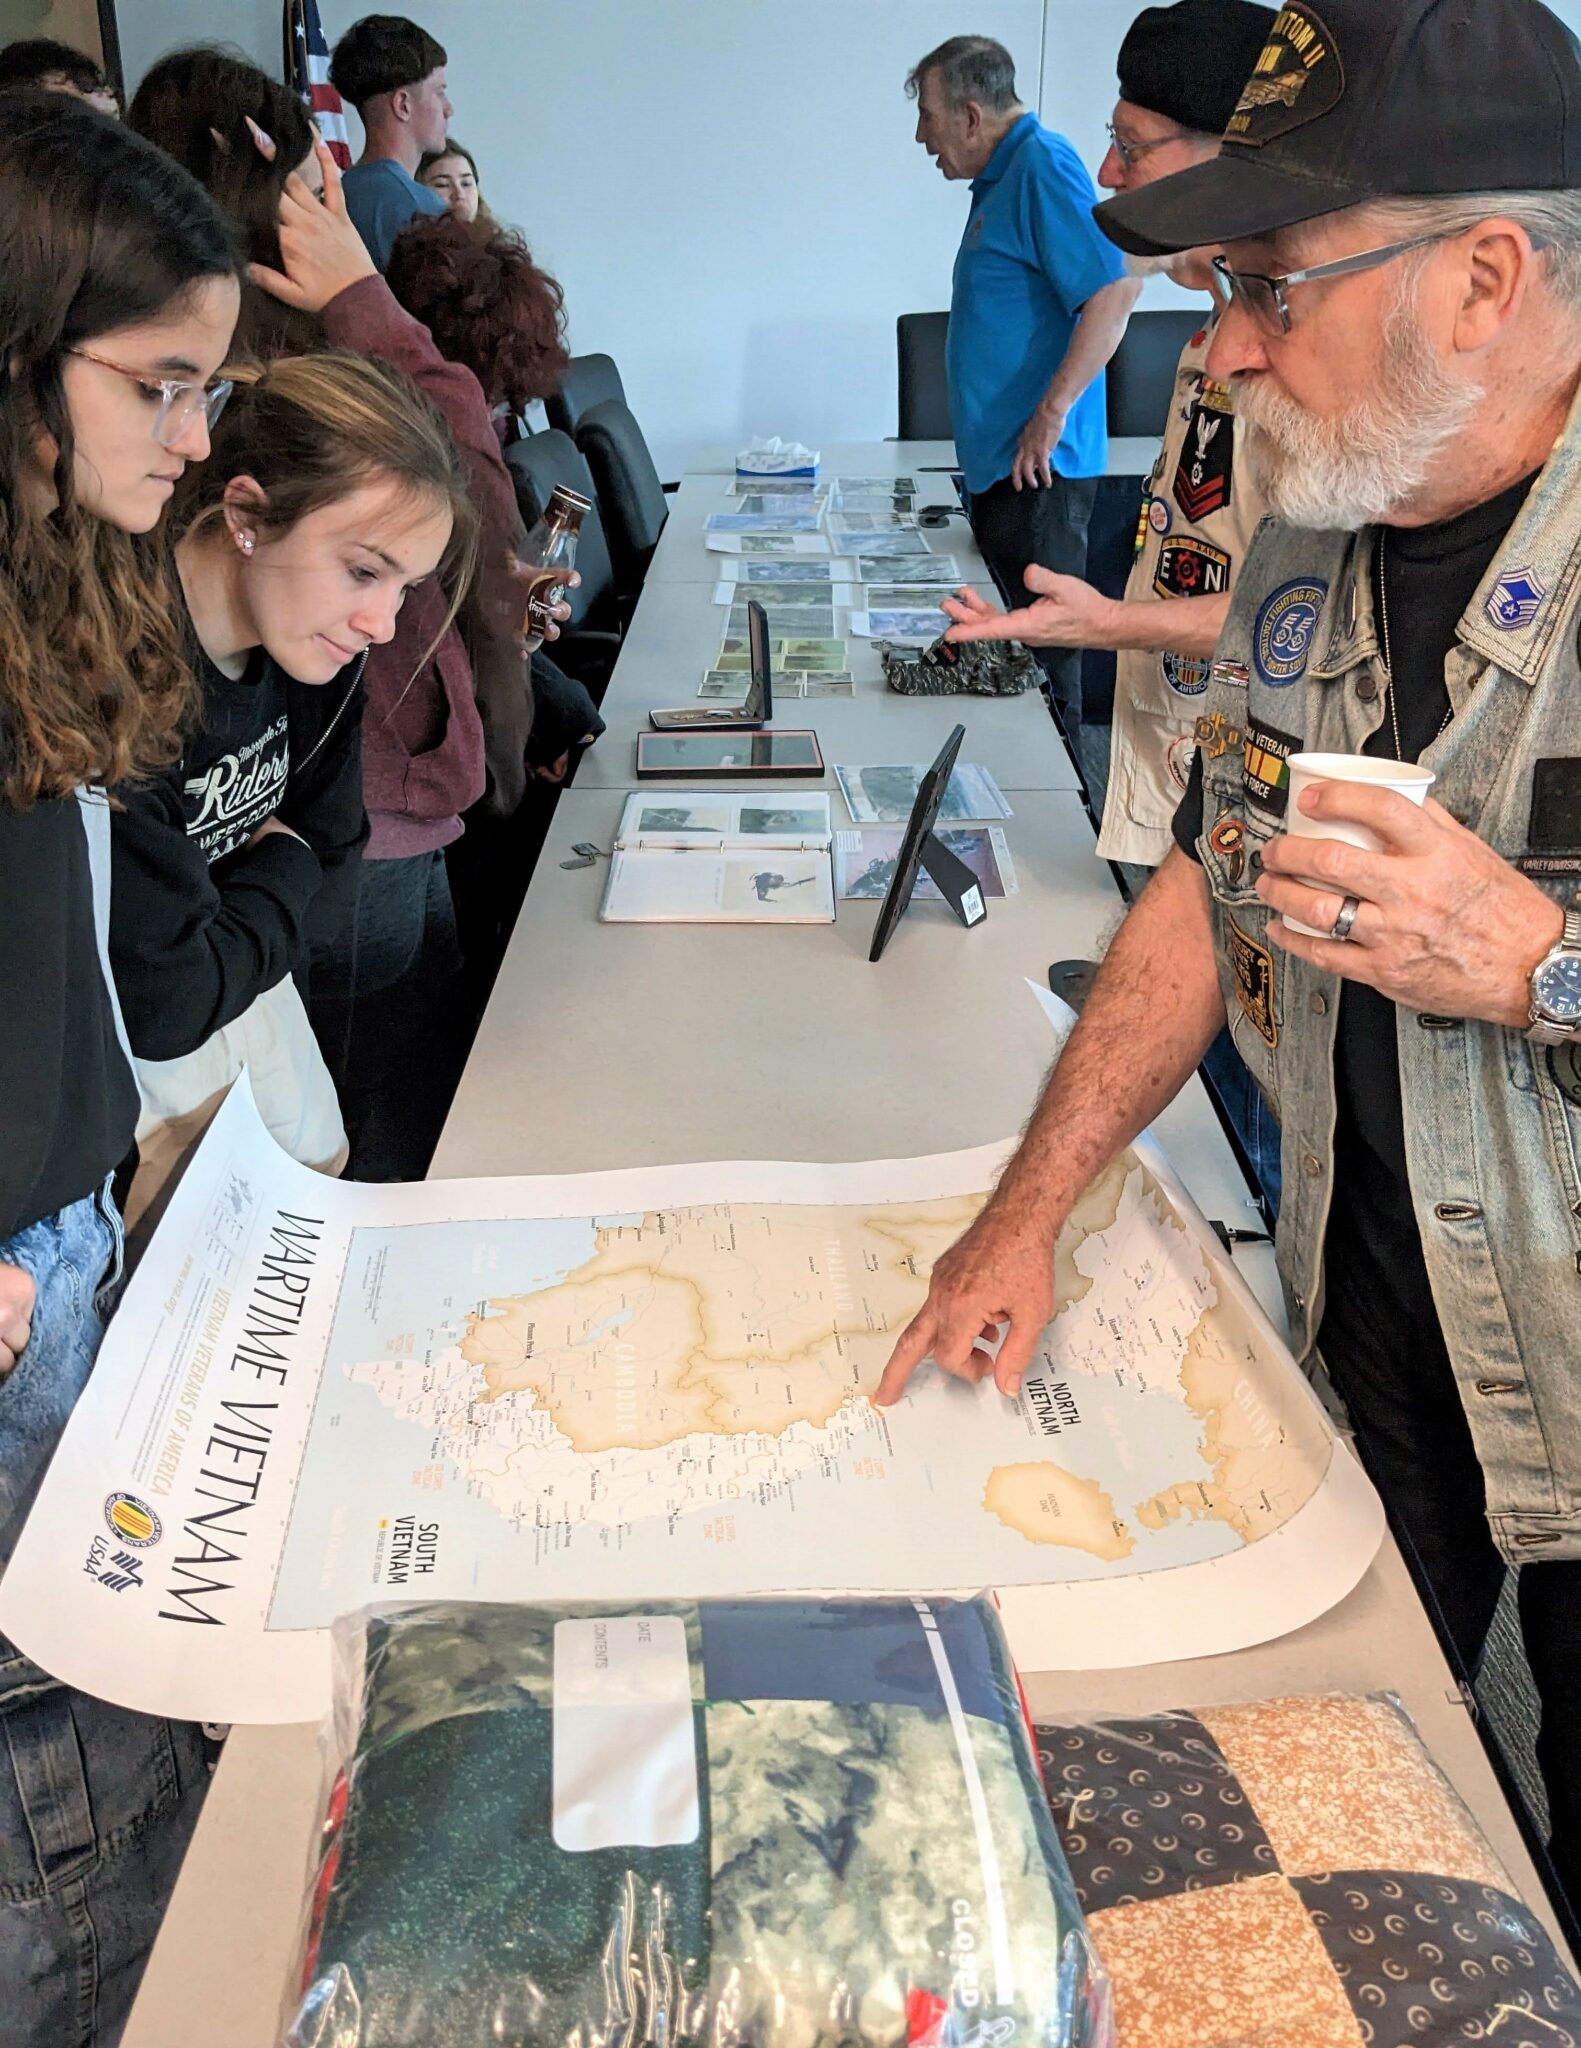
[675, 636]
[1127, 457]
[609, 1045]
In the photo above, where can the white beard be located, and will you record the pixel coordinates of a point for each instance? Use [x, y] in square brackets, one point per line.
[1355, 469]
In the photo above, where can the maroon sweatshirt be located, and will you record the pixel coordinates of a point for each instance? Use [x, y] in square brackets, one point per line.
[438, 733]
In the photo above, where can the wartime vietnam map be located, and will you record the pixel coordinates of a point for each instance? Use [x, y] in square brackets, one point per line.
[656, 1383]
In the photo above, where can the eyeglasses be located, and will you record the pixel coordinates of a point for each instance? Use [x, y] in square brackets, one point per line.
[1264, 297]
[179, 403]
[1132, 153]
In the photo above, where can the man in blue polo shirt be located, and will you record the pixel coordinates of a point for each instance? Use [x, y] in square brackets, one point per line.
[1039, 305]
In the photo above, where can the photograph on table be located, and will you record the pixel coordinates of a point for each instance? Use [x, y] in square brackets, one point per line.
[785, 572]
[868, 541]
[801, 652]
[765, 504]
[893, 624]
[784, 620]
[871, 522]
[901, 597]
[729, 685]
[941, 572]
[777, 596]
[865, 860]
[761, 522]
[885, 795]
[874, 486]
[767, 546]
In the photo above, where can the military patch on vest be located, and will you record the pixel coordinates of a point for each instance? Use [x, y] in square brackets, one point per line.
[1216, 736]
[1141, 524]
[1234, 675]
[1266, 773]
[1203, 475]
[1253, 968]
[1553, 833]
[1516, 599]
[1228, 840]
[1282, 636]
[1189, 567]
[1297, 79]
[1159, 516]
[1186, 674]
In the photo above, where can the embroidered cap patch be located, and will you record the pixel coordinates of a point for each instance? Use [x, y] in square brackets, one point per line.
[1516, 599]
[1298, 78]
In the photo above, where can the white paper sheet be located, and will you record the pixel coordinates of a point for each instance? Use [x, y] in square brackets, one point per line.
[653, 1383]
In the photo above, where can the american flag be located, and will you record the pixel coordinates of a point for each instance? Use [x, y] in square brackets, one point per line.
[307, 70]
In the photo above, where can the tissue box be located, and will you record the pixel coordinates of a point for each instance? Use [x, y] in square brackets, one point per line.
[777, 458]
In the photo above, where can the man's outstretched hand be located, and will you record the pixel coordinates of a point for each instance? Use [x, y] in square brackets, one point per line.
[1000, 1272]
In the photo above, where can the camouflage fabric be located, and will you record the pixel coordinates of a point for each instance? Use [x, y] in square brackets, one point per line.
[983, 668]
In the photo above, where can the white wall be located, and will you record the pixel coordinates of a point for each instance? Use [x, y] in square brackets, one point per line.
[727, 189]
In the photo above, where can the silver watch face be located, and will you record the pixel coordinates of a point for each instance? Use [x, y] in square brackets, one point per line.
[1556, 989]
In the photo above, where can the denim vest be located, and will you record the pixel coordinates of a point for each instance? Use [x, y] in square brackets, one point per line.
[1493, 1145]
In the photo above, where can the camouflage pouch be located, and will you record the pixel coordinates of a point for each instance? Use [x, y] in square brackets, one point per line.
[981, 668]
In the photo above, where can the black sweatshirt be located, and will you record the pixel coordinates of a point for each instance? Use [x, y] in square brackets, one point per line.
[68, 1103]
[202, 923]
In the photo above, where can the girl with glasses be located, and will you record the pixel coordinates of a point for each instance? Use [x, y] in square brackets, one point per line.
[118, 294]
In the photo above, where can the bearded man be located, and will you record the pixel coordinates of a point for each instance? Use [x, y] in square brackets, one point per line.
[1398, 198]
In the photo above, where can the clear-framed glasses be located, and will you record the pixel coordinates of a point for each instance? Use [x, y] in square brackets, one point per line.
[1264, 297]
[1132, 153]
[178, 403]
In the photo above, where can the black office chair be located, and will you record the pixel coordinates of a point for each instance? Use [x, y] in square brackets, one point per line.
[590, 639]
[924, 389]
[1141, 377]
[588, 381]
[629, 491]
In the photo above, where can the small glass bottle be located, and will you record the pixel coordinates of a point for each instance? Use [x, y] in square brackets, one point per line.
[549, 553]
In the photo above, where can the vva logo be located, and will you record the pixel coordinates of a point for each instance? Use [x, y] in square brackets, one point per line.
[132, 1520]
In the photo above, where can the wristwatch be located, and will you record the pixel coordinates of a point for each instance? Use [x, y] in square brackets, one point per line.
[1555, 1013]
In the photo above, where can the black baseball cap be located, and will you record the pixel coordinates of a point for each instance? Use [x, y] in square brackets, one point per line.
[1189, 61]
[1369, 99]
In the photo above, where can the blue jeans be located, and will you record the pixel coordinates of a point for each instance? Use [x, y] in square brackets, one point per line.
[1255, 1123]
[389, 1008]
[96, 1804]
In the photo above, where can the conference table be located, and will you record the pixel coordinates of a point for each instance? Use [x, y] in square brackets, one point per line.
[608, 1045]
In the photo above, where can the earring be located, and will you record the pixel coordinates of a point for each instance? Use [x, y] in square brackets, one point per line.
[245, 542]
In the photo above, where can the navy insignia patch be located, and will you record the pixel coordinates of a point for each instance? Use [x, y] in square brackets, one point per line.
[1253, 968]
[1188, 567]
[1516, 599]
[1186, 674]
[1282, 637]
[1297, 79]
[1203, 475]
[1266, 770]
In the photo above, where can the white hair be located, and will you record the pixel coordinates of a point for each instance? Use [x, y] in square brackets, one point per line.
[1551, 217]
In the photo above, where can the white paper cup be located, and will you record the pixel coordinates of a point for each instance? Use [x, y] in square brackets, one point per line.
[1405, 778]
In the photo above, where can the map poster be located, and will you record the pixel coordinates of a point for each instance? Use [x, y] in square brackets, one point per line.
[654, 1383]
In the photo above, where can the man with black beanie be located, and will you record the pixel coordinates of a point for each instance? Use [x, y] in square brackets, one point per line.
[1399, 201]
